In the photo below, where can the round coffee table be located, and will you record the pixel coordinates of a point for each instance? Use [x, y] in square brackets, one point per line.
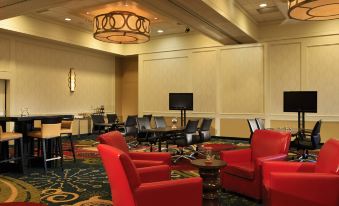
[209, 172]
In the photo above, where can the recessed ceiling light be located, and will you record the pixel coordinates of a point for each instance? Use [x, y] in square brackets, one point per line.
[156, 18]
[68, 19]
[262, 5]
[160, 31]
[87, 12]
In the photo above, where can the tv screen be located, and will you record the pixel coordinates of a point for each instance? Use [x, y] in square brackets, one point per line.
[300, 101]
[181, 101]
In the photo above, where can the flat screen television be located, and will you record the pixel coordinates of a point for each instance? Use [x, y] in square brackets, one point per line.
[300, 101]
[180, 101]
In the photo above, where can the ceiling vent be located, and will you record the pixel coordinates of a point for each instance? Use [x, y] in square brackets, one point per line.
[267, 10]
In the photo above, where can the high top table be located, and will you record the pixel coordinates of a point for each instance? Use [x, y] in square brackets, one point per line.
[24, 125]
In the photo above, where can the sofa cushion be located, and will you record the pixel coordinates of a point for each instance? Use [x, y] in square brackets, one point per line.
[243, 169]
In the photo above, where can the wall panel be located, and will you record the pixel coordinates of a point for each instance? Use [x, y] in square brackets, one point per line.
[160, 77]
[204, 66]
[322, 75]
[5, 52]
[242, 80]
[285, 73]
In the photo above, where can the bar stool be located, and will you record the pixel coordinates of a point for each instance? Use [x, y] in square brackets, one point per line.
[67, 129]
[50, 130]
[5, 137]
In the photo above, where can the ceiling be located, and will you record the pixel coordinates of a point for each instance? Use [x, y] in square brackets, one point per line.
[172, 16]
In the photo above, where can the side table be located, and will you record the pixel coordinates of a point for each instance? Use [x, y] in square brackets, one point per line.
[209, 172]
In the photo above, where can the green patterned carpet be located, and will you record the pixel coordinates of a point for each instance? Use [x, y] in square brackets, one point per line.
[83, 183]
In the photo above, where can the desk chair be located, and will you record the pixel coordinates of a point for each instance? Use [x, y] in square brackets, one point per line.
[99, 123]
[186, 139]
[144, 136]
[67, 129]
[130, 130]
[112, 119]
[148, 116]
[5, 137]
[160, 122]
[50, 130]
[308, 140]
[260, 123]
[253, 127]
[204, 134]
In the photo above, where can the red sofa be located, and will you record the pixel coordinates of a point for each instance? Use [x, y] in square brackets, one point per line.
[129, 188]
[243, 171]
[301, 183]
[140, 159]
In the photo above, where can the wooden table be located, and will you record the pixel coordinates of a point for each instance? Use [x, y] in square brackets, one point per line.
[209, 172]
[163, 133]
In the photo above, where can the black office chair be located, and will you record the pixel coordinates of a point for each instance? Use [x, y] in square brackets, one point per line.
[308, 140]
[99, 124]
[130, 130]
[204, 135]
[253, 126]
[112, 119]
[145, 136]
[148, 116]
[260, 123]
[160, 122]
[185, 139]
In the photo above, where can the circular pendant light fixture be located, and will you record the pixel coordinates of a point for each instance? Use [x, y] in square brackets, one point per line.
[313, 10]
[121, 27]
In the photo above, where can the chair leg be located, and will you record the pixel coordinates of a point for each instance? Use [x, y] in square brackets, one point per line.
[22, 155]
[44, 154]
[72, 147]
[59, 139]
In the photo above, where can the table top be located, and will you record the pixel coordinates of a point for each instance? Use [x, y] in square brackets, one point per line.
[166, 129]
[33, 117]
[214, 164]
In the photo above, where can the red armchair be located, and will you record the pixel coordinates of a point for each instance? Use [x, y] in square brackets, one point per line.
[128, 186]
[243, 171]
[140, 159]
[299, 183]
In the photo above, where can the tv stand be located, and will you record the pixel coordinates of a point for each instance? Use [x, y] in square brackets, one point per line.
[301, 121]
[183, 117]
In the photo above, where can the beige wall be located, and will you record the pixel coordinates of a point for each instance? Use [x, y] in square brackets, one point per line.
[233, 83]
[128, 79]
[38, 74]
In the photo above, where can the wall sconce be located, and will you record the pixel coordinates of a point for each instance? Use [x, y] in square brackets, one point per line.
[71, 80]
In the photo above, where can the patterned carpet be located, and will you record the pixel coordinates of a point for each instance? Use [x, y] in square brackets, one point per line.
[83, 183]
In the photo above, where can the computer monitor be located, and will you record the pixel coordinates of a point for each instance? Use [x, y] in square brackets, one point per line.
[181, 101]
[300, 101]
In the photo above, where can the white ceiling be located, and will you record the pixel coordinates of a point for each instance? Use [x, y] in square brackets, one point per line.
[210, 23]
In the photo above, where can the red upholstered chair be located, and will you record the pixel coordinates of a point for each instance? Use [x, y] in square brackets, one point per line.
[129, 189]
[243, 171]
[140, 159]
[301, 183]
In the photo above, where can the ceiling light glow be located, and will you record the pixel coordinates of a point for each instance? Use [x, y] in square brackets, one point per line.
[160, 31]
[68, 19]
[262, 5]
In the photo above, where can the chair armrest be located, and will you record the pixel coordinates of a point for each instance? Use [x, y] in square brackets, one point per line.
[242, 155]
[281, 157]
[282, 166]
[168, 193]
[155, 173]
[155, 156]
[305, 188]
